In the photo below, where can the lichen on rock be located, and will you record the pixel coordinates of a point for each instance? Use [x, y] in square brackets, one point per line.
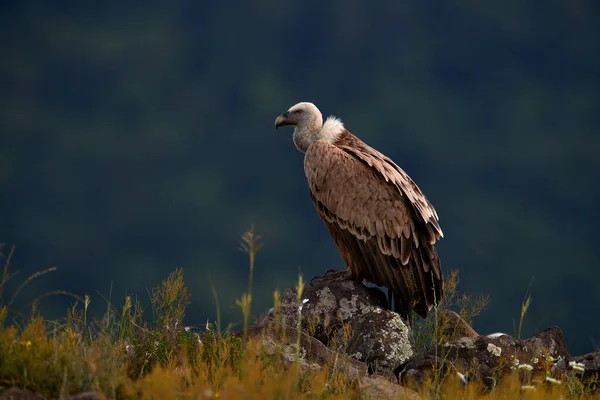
[348, 316]
[348, 307]
[495, 350]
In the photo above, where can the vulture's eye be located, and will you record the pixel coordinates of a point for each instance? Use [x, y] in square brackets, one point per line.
[298, 111]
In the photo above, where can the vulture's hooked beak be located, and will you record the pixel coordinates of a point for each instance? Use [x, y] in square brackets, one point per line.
[282, 120]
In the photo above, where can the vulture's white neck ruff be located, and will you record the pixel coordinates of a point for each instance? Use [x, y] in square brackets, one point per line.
[331, 130]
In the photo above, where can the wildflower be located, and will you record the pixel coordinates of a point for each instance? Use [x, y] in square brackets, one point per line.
[534, 360]
[526, 367]
[462, 377]
[304, 301]
[554, 381]
[553, 359]
[187, 329]
[580, 367]
[515, 363]
[26, 344]
[527, 387]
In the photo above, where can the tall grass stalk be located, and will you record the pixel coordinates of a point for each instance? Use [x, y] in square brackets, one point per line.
[108, 307]
[5, 275]
[250, 245]
[438, 370]
[86, 304]
[299, 291]
[125, 318]
[217, 305]
[29, 279]
[277, 310]
[524, 308]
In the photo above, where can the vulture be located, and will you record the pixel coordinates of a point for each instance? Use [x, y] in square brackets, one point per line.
[383, 225]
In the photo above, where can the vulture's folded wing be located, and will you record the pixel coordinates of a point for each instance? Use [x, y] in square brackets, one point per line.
[384, 226]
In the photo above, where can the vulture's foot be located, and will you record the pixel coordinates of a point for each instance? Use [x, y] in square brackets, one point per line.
[334, 275]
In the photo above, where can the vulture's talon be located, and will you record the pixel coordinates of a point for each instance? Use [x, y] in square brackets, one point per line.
[334, 275]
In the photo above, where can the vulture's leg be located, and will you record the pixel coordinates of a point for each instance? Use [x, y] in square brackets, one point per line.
[402, 308]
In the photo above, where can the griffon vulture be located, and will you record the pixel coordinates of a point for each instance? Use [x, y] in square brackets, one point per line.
[383, 225]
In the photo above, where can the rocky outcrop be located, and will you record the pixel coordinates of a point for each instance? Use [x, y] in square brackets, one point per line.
[488, 359]
[349, 317]
[342, 318]
[281, 341]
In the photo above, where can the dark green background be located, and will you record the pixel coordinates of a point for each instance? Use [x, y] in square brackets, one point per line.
[137, 137]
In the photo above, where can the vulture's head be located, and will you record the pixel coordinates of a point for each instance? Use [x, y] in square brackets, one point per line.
[304, 116]
[308, 121]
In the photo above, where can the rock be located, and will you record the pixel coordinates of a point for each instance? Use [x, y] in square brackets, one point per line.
[379, 387]
[281, 340]
[488, 359]
[315, 355]
[454, 327]
[587, 369]
[348, 316]
[15, 393]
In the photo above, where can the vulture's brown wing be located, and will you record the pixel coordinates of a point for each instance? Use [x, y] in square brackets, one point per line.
[382, 235]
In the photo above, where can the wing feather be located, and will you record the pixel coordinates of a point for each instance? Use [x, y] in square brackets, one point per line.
[382, 223]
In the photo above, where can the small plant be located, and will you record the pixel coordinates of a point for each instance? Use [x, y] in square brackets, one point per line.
[431, 332]
[299, 302]
[250, 245]
[524, 307]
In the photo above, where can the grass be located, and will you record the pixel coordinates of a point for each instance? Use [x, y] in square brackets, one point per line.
[122, 355]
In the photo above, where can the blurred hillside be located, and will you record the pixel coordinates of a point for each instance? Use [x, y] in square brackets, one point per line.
[138, 137]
